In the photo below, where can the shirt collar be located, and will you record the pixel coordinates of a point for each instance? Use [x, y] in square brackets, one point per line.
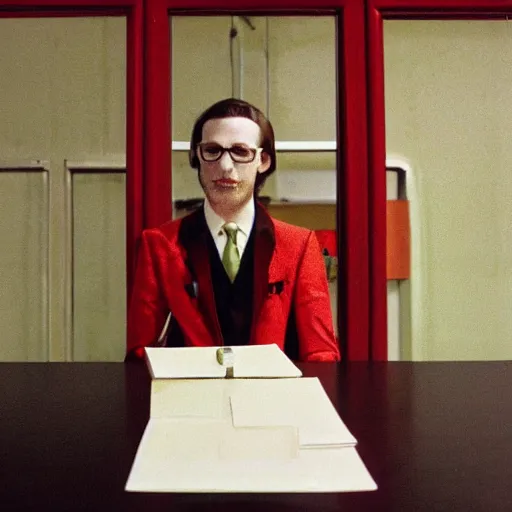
[244, 219]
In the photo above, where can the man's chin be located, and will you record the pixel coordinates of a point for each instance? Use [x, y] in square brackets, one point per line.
[227, 198]
[234, 190]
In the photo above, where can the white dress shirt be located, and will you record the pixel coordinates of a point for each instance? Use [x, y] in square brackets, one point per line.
[244, 220]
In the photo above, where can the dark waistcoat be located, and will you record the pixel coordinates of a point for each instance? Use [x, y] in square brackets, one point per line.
[233, 301]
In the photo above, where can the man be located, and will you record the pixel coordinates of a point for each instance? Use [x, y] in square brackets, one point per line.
[229, 273]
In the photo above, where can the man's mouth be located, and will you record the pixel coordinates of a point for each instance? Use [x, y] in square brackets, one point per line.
[226, 182]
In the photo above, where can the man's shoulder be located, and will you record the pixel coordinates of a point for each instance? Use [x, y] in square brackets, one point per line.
[286, 227]
[167, 227]
[184, 230]
[289, 232]
[168, 230]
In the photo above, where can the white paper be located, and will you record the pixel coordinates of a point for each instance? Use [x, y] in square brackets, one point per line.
[216, 434]
[184, 363]
[263, 361]
[299, 402]
[251, 361]
[181, 457]
[186, 398]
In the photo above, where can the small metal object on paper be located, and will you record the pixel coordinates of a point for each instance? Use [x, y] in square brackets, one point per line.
[162, 339]
[226, 357]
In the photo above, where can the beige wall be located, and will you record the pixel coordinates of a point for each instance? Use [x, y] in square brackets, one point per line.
[449, 114]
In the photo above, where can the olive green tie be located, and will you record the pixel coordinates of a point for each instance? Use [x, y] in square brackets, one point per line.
[231, 256]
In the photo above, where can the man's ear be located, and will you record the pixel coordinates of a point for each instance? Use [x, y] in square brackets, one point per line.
[266, 160]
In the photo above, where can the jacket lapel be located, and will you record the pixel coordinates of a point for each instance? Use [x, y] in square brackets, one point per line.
[264, 244]
[193, 236]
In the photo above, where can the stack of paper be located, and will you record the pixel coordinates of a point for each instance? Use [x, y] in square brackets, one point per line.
[242, 435]
[252, 361]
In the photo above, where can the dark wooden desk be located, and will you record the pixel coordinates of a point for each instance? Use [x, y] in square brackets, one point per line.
[435, 436]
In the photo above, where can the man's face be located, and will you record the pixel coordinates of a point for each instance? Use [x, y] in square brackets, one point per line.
[229, 185]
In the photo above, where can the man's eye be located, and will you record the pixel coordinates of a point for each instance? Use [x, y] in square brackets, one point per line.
[211, 150]
[241, 151]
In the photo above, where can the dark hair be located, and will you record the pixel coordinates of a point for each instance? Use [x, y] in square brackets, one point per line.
[232, 107]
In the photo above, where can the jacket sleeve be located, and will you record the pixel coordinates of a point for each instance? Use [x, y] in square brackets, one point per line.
[317, 341]
[147, 309]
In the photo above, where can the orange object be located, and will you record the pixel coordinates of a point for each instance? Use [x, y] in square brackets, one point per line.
[398, 246]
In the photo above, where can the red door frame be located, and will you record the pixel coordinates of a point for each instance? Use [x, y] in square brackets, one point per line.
[352, 214]
[377, 11]
[133, 10]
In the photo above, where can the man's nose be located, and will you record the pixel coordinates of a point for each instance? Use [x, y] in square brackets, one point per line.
[226, 162]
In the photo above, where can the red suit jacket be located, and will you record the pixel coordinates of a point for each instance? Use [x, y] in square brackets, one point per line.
[173, 274]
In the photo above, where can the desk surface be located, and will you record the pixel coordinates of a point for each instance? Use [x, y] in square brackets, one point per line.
[435, 436]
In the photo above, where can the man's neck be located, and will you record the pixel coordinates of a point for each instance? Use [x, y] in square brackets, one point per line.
[244, 217]
[229, 214]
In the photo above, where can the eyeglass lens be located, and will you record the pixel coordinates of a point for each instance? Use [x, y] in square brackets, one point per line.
[238, 152]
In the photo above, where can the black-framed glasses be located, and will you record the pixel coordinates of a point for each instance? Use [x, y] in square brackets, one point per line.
[240, 153]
